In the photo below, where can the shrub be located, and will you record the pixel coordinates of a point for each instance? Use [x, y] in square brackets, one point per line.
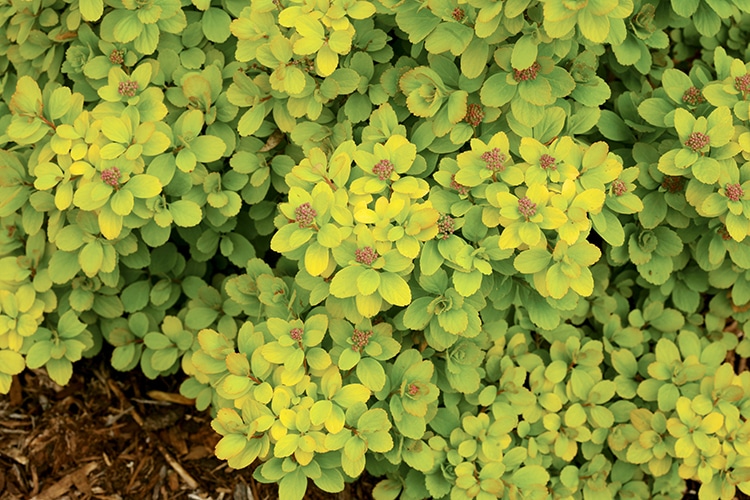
[478, 249]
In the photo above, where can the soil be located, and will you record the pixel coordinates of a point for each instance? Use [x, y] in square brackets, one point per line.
[116, 436]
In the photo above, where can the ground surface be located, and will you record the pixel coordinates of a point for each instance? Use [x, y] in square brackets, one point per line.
[84, 441]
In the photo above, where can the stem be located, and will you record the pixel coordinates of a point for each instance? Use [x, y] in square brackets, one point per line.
[47, 122]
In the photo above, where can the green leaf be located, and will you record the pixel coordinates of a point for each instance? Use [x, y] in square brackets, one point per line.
[530, 475]
[230, 445]
[524, 52]
[707, 170]
[11, 362]
[27, 99]
[393, 288]
[60, 370]
[91, 258]
[629, 52]
[60, 102]
[496, 92]
[186, 213]
[449, 37]
[143, 186]
[251, 120]
[654, 110]
[358, 107]
[39, 354]
[207, 148]
[215, 24]
[135, 296]
[613, 127]
[293, 485]
[467, 284]
[532, 261]
[115, 130]
[685, 8]
[127, 27]
[416, 316]
[371, 373]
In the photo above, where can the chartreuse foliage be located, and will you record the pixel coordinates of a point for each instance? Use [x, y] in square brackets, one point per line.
[477, 249]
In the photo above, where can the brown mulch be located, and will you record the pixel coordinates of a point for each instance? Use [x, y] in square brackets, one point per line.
[114, 436]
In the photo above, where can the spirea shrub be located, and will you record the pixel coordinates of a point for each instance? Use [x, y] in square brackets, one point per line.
[479, 249]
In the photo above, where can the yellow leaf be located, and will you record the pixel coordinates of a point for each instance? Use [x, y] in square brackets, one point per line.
[307, 45]
[327, 61]
[110, 224]
[316, 258]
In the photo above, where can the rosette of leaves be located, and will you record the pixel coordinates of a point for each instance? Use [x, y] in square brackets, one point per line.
[206, 367]
[384, 168]
[126, 335]
[334, 169]
[367, 430]
[80, 248]
[728, 204]
[429, 96]
[164, 349]
[250, 159]
[303, 429]
[599, 170]
[141, 22]
[563, 434]
[324, 34]
[399, 221]
[218, 194]
[415, 396]
[111, 193]
[523, 217]
[444, 315]
[651, 250]
[590, 89]
[322, 216]
[460, 30]
[723, 391]
[578, 206]
[694, 431]
[566, 269]
[732, 84]
[363, 348]
[529, 89]
[380, 280]
[253, 93]
[602, 22]
[644, 441]
[21, 314]
[677, 90]
[204, 91]
[89, 59]
[35, 112]
[705, 145]
[58, 348]
[296, 346]
[485, 162]
[208, 305]
[645, 33]
[666, 200]
[554, 163]
[244, 288]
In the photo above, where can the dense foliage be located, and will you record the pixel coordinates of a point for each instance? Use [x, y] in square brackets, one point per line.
[481, 249]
